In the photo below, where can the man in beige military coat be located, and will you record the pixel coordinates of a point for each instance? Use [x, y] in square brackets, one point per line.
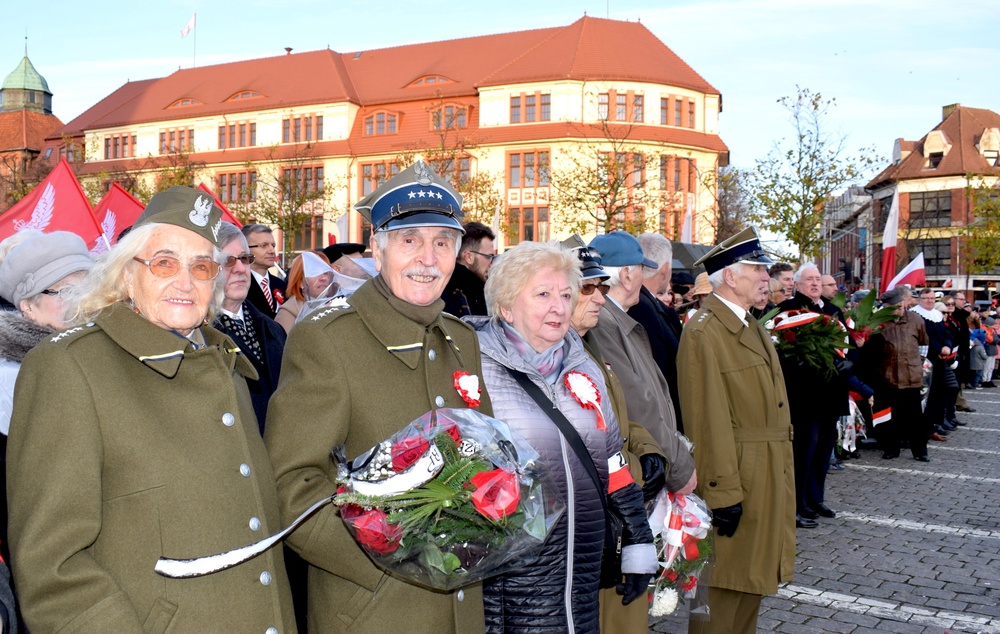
[355, 375]
[736, 412]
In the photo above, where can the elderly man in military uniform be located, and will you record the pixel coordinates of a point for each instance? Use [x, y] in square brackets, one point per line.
[353, 376]
[736, 412]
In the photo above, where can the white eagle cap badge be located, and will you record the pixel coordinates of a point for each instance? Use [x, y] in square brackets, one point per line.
[202, 209]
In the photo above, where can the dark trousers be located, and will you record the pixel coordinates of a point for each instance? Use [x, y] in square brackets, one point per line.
[812, 444]
[907, 421]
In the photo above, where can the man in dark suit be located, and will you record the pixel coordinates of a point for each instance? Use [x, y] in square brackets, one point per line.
[815, 402]
[267, 291]
[662, 324]
[258, 336]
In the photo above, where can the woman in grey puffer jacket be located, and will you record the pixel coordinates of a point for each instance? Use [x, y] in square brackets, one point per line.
[530, 294]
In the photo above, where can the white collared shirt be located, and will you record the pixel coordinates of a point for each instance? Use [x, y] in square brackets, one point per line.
[739, 310]
[237, 315]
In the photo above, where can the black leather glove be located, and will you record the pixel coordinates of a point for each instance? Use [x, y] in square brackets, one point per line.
[654, 475]
[727, 519]
[634, 587]
[842, 365]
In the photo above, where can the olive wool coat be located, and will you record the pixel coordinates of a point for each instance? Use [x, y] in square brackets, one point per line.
[127, 444]
[354, 376]
[736, 413]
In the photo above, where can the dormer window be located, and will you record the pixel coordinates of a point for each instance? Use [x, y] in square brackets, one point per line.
[449, 117]
[934, 159]
[989, 145]
[245, 94]
[991, 157]
[187, 101]
[381, 123]
[428, 80]
[936, 146]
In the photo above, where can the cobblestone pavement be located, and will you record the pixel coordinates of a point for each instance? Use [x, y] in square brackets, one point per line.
[915, 547]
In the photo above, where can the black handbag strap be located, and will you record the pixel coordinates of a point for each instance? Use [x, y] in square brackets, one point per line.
[568, 431]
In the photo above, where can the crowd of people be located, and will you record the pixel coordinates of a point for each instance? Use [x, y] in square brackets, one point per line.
[175, 398]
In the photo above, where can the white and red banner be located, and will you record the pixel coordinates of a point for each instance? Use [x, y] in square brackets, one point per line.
[191, 24]
[116, 211]
[912, 274]
[56, 204]
[889, 243]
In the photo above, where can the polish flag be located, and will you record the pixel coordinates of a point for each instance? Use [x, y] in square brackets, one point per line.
[226, 214]
[912, 274]
[116, 211]
[882, 416]
[56, 204]
[189, 26]
[889, 243]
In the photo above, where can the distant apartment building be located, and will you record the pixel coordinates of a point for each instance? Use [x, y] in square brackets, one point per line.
[932, 176]
[508, 110]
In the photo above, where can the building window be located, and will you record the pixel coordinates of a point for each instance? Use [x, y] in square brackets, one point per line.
[530, 107]
[380, 123]
[528, 169]
[184, 102]
[449, 118]
[374, 174]
[664, 110]
[691, 114]
[118, 146]
[430, 79]
[930, 209]
[237, 135]
[628, 106]
[305, 128]
[174, 140]
[237, 187]
[677, 174]
[937, 255]
[677, 111]
[304, 183]
[458, 170]
[310, 236]
[244, 94]
[527, 224]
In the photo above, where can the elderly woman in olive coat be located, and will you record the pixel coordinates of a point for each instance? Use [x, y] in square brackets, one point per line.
[134, 437]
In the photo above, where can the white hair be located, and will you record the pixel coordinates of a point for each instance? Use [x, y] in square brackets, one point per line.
[808, 266]
[381, 238]
[717, 279]
[615, 274]
[658, 249]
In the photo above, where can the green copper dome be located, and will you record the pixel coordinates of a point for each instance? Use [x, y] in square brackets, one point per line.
[25, 77]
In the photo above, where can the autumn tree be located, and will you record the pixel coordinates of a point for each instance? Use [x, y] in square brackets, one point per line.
[789, 188]
[602, 184]
[982, 235]
[19, 174]
[728, 186]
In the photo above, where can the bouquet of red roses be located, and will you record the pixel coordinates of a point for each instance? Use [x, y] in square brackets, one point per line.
[452, 498]
[807, 337]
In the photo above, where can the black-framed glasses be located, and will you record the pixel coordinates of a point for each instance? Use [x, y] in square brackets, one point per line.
[245, 258]
[169, 266]
[61, 293]
[588, 289]
[488, 256]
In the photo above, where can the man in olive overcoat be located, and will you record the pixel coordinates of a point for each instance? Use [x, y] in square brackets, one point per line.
[353, 376]
[736, 413]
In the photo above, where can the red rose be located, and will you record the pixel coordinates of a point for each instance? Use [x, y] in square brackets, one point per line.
[348, 511]
[375, 533]
[788, 336]
[689, 584]
[497, 493]
[407, 451]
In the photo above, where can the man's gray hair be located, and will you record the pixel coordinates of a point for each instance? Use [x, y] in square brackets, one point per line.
[657, 248]
[615, 274]
[717, 279]
[807, 266]
[249, 230]
[229, 232]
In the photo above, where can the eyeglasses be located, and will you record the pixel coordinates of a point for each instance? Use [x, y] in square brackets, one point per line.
[245, 258]
[588, 289]
[949, 303]
[61, 293]
[488, 256]
[169, 266]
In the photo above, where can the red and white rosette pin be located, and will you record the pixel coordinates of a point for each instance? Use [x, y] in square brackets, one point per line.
[467, 386]
[585, 391]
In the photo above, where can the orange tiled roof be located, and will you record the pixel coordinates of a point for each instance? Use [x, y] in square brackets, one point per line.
[589, 49]
[962, 128]
[25, 129]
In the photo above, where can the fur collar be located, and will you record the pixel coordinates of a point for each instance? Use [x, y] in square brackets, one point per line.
[19, 335]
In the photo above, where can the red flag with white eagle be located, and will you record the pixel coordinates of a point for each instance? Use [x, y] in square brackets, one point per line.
[889, 243]
[912, 274]
[56, 204]
[116, 211]
[226, 214]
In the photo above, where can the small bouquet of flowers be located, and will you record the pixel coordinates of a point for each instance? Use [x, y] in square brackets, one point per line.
[452, 498]
[682, 529]
[864, 320]
[807, 337]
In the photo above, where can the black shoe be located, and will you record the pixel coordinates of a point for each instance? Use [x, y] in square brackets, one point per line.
[824, 511]
[923, 458]
[948, 426]
[989, 384]
[889, 456]
[957, 422]
[965, 409]
[801, 522]
[808, 514]
[941, 430]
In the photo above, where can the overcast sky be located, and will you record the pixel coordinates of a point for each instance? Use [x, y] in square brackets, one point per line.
[890, 64]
